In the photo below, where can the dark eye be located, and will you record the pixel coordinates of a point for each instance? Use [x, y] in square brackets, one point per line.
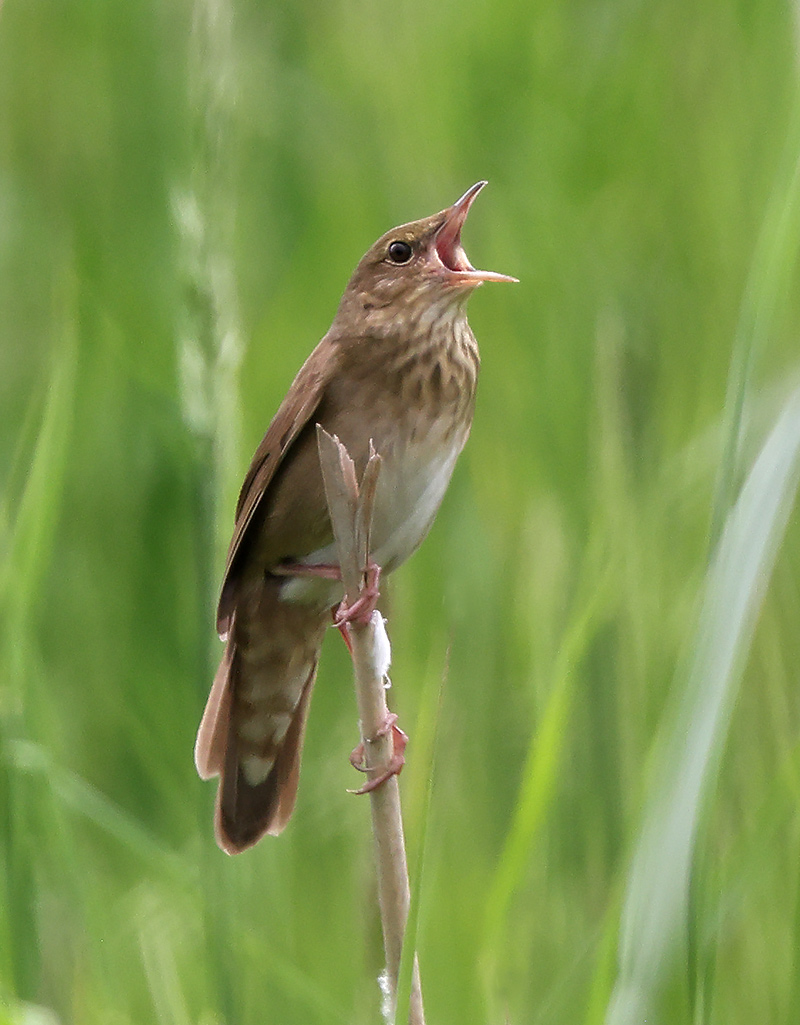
[400, 252]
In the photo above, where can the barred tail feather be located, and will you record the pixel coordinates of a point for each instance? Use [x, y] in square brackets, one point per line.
[246, 812]
[251, 734]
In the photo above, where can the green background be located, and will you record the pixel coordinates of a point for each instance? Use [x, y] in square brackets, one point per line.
[184, 190]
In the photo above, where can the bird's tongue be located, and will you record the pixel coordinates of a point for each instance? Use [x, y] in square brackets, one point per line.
[451, 252]
[448, 241]
[449, 248]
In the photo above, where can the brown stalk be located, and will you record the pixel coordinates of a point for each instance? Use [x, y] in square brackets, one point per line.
[350, 508]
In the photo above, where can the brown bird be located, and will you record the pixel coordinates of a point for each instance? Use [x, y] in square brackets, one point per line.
[398, 367]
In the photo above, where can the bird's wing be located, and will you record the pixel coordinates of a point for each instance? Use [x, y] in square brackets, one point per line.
[293, 414]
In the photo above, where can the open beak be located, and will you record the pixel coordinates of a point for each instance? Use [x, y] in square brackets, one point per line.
[447, 245]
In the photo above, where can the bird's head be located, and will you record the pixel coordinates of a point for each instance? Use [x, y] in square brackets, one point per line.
[415, 270]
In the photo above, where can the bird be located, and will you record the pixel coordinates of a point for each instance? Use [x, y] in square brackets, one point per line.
[397, 371]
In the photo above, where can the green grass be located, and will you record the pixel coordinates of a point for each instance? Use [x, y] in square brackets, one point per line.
[611, 830]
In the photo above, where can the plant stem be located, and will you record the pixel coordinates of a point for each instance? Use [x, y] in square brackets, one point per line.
[350, 509]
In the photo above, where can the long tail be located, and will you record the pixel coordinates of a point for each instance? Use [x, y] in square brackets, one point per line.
[251, 734]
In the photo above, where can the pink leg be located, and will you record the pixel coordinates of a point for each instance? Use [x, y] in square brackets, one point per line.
[326, 570]
[362, 608]
[396, 762]
[359, 612]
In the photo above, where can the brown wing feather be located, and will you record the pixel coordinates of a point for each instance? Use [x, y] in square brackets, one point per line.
[212, 737]
[303, 397]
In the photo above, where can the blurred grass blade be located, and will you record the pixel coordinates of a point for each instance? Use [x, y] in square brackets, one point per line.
[159, 963]
[539, 779]
[657, 893]
[30, 541]
[80, 797]
[26, 549]
[769, 281]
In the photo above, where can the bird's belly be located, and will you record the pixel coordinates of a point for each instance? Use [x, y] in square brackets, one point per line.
[410, 491]
[411, 485]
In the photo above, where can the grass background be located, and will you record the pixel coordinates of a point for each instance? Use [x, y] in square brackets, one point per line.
[184, 190]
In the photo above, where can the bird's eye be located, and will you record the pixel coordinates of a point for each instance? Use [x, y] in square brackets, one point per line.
[400, 252]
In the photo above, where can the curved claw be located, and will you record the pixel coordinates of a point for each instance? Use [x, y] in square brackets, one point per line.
[395, 764]
[357, 758]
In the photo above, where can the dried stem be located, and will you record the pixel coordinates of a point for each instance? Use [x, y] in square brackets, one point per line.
[350, 508]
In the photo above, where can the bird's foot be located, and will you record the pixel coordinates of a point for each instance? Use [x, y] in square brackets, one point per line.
[362, 608]
[395, 763]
